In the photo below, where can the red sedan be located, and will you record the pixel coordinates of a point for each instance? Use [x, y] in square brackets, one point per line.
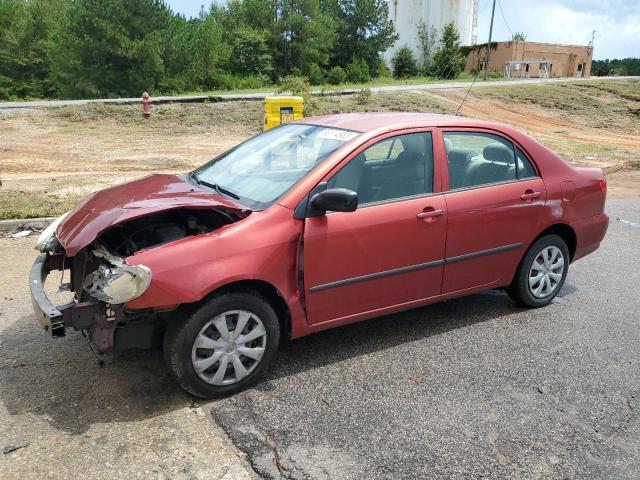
[316, 224]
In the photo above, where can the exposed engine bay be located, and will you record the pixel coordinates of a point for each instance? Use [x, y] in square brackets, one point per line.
[147, 232]
[103, 282]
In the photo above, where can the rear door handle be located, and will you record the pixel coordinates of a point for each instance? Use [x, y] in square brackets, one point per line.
[429, 214]
[530, 195]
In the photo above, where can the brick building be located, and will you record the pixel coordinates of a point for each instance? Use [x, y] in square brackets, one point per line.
[524, 59]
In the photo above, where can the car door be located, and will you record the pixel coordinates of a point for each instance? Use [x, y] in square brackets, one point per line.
[387, 253]
[495, 206]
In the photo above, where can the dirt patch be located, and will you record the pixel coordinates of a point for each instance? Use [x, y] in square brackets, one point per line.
[586, 123]
[51, 157]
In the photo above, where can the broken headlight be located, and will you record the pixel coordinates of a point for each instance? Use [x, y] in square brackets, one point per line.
[115, 282]
[47, 238]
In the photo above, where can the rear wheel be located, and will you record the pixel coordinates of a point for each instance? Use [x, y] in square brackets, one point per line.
[224, 346]
[541, 273]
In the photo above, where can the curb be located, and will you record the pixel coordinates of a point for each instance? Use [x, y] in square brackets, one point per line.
[32, 223]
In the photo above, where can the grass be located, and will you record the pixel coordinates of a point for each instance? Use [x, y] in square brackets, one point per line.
[374, 82]
[598, 104]
[188, 117]
[19, 204]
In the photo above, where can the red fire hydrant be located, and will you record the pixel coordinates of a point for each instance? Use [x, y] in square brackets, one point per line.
[146, 105]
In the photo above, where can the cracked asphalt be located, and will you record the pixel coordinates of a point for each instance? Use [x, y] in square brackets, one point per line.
[475, 387]
[470, 388]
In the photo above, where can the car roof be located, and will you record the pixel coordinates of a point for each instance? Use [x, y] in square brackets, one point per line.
[367, 121]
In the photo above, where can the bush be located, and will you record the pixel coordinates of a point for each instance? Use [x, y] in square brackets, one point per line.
[363, 96]
[298, 86]
[336, 76]
[404, 63]
[381, 69]
[316, 74]
[358, 71]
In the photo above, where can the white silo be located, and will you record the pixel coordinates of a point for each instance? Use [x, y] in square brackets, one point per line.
[406, 16]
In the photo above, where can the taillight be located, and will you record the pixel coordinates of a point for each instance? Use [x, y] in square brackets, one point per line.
[603, 186]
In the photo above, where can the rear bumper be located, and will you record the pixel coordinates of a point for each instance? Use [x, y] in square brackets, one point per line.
[56, 318]
[589, 233]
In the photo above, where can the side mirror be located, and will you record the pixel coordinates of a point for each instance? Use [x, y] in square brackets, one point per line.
[333, 200]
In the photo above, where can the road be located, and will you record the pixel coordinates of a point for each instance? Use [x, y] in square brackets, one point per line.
[229, 97]
[475, 387]
[78, 417]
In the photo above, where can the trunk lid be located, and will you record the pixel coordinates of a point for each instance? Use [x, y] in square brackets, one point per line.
[105, 208]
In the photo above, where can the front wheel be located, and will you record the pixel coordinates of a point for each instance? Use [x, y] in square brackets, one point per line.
[541, 273]
[224, 346]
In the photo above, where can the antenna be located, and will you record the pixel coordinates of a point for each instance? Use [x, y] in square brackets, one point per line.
[467, 94]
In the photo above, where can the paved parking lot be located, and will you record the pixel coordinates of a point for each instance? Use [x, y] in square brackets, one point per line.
[475, 387]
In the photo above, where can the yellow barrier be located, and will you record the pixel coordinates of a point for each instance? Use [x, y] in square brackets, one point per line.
[278, 110]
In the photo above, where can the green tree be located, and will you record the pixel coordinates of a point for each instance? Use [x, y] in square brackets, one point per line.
[427, 42]
[519, 37]
[250, 53]
[304, 35]
[404, 63]
[25, 28]
[448, 61]
[364, 31]
[110, 48]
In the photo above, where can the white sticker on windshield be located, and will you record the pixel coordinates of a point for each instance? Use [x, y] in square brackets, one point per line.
[331, 134]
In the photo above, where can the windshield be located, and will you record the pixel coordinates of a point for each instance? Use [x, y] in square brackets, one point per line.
[258, 171]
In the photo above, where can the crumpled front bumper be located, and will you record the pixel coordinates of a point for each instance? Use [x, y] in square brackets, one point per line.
[56, 318]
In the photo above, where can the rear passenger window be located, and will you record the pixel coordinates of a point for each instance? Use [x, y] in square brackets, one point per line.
[525, 169]
[479, 159]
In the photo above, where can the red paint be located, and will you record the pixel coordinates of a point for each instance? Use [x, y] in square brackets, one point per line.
[266, 245]
[102, 209]
[146, 105]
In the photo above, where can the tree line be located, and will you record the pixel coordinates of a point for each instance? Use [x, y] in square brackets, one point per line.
[615, 67]
[111, 48]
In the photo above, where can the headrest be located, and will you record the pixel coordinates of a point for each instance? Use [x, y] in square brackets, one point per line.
[459, 155]
[413, 143]
[497, 152]
[448, 144]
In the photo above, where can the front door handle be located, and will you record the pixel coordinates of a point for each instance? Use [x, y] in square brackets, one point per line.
[530, 195]
[429, 215]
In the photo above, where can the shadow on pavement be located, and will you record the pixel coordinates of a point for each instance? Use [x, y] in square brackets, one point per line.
[63, 381]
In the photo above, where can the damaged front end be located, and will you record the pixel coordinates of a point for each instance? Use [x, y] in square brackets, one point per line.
[103, 282]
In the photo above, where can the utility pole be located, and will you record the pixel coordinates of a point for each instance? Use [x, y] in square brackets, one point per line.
[486, 65]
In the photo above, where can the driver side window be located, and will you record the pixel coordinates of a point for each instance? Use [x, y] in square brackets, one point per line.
[393, 168]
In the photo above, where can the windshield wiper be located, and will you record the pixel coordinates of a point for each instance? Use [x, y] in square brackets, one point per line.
[215, 186]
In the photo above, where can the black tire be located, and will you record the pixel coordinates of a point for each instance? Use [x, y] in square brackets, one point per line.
[519, 289]
[182, 333]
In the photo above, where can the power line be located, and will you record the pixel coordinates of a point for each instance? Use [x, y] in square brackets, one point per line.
[504, 18]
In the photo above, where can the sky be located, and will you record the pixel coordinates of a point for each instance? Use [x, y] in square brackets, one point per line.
[617, 22]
